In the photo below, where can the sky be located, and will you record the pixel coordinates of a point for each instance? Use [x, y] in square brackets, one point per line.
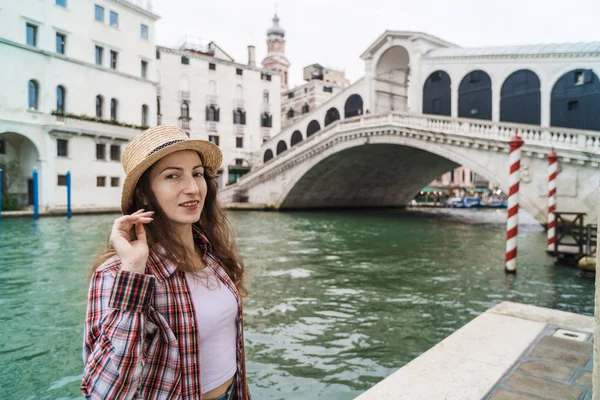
[335, 33]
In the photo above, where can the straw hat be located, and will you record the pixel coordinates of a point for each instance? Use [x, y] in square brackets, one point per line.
[153, 144]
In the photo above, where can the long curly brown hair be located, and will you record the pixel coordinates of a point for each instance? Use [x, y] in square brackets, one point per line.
[213, 223]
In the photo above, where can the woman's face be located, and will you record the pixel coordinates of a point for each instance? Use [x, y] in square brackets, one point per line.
[178, 184]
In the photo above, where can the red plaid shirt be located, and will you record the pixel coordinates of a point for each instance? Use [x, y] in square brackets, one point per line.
[140, 338]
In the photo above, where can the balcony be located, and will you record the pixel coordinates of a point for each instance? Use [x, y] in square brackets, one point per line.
[211, 126]
[184, 123]
[184, 95]
[212, 100]
[265, 108]
[240, 129]
[239, 103]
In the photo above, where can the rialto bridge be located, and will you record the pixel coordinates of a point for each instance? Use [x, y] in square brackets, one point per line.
[425, 107]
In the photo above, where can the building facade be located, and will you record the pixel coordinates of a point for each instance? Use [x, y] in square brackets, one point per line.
[209, 95]
[84, 87]
[322, 84]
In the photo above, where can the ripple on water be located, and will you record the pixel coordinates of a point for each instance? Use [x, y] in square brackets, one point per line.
[294, 273]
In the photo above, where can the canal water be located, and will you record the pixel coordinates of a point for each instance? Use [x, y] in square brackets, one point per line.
[338, 300]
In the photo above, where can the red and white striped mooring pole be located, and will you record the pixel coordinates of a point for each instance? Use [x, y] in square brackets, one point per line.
[512, 222]
[552, 172]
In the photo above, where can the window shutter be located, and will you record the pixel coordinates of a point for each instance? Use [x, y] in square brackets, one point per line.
[217, 114]
[270, 121]
[234, 118]
[244, 118]
[207, 113]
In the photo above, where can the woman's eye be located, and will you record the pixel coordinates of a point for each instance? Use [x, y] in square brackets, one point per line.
[172, 176]
[198, 174]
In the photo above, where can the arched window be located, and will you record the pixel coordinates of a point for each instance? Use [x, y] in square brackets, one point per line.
[212, 114]
[99, 106]
[575, 100]
[290, 113]
[296, 138]
[305, 108]
[185, 110]
[475, 96]
[266, 97]
[144, 115]
[266, 120]
[520, 98]
[60, 99]
[437, 94]
[268, 155]
[332, 115]
[238, 117]
[313, 128]
[281, 147]
[33, 95]
[114, 104]
[353, 106]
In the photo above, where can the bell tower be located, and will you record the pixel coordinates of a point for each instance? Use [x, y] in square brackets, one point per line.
[276, 58]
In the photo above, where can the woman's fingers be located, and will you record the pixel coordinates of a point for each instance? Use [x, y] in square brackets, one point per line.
[140, 232]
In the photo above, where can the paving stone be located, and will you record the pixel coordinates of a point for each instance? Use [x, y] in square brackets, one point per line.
[506, 395]
[560, 356]
[542, 388]
[585, 379]
[546, 370]
[569, 345]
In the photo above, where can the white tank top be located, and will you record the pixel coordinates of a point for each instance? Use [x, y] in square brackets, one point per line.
[216, 312]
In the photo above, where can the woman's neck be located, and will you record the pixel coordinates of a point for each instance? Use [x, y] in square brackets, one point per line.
[186, 235]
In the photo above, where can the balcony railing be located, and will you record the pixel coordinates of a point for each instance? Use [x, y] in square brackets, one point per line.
[184, 95]
[240, 129]
[266, 108]
[211, 126]
[184, 123]
[238, 103]
[212, 100]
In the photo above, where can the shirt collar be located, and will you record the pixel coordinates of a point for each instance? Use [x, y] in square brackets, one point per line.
[163, 267]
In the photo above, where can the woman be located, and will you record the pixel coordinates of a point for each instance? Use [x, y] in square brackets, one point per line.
[164, 317]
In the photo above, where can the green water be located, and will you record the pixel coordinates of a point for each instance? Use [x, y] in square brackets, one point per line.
[338, 300]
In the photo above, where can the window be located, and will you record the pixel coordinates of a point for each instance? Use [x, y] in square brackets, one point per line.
[185, 110]
[31, 35]
[144, 31]
[266, 97]
[266, 120]
[113, 109]
[99, 13]
[113, 59]
[305, 90]
[100, 181]
[61, 41]
[239, 71]
[305, 108]
[62, 3]
[99, 54]
[212, 66]
[474, 76]
[115, 152]
[573, 105]
[290, 113]
[144, 115]
[212, 114]
[185, 60]
[327, 89]
[60, 99]
[62, 147]
[452, 176]
[144, 68]
[239, 142]
[99, 106]
[578, 78]
[463, 175]
[2, 147]
[290, 95]
[239, 162]
[157, 54]
[100, 151]
[62, 180]
[114, 19]
[33, 95]
[239, 117]
[265, 77]
[214, 139]
[115, 182]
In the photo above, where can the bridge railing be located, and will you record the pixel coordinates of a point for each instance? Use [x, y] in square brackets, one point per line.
[546, 137]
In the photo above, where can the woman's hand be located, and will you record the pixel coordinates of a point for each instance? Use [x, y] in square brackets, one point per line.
[133, 254]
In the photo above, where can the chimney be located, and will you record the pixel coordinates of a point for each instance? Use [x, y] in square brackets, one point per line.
[251, 56]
